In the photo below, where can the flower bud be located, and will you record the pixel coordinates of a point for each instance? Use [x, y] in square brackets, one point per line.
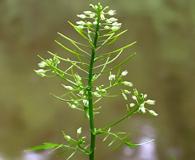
[82, 16]
[111, 77]
[150, 102]
[153, 113]
[126, 83]
[41, 72]
[124, 73]
[111, 12]
[79, 131]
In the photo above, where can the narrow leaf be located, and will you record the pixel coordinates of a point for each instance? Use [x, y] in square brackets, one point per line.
[74, 43]
[115, 51]
[81, 33]
[121, 63]
[46, 146]
[68, 49]
[114, 38]
[72, 154]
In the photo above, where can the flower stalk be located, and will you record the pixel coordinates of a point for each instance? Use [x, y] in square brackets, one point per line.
[90, 89]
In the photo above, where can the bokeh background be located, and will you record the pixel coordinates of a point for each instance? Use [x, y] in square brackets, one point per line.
[164, 68]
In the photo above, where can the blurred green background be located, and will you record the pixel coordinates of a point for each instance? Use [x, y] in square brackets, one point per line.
[164, 68]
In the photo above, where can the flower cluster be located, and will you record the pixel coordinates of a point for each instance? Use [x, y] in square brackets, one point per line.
[141, 101]
[89, 19]
[100, 91]
[118, 79]
[46, 64]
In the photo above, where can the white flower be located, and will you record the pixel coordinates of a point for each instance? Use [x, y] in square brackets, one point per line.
[100, 89]
[142, 108]
[82, 16]
[80, 27]
[102, 16]
[150, 102]
[145, 95]
[87, 12]
[79, 131]
[89, 31]
[134, 98]
[68, 87]
[115, 28]
[111, 12]
[80, 22]
[89, 23]
[153, 113]
[91, 5]
[81, 92]
[111, 20]
[126, 83]
[106, 27]
[86, 103]
[97, 94]
[96, 6]
[126, 91]
[42, 64]
[67, 137]
[124, 73]
[92, 15]
[111, 77]
[116, 24]
[41, 72]
[132, 104]
[73, 106]
[95, 22]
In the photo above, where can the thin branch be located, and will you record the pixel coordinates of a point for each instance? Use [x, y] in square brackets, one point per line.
[80, 33]
[121, 63]
[115, 51]
[112, 60]
[129, 114]
[67, 59]
[74, 43]
[105, 41]
[74, 63]
[68, 49]
[103, 68]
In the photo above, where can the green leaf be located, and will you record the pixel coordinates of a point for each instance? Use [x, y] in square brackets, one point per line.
[46, 146]
[71, 40]
[81, 33]
[116, 37]
[106, 41]
[115, 51]
[75, 43]
[131, 145]
[121, 63]
[68, 49]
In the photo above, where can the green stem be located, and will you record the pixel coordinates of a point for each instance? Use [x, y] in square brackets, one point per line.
[129, 114]
[90, 89]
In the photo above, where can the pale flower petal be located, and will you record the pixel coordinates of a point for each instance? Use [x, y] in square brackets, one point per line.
[150, 102]
[111, 12]
[153, 113]
[126, 83]
[124, 73]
